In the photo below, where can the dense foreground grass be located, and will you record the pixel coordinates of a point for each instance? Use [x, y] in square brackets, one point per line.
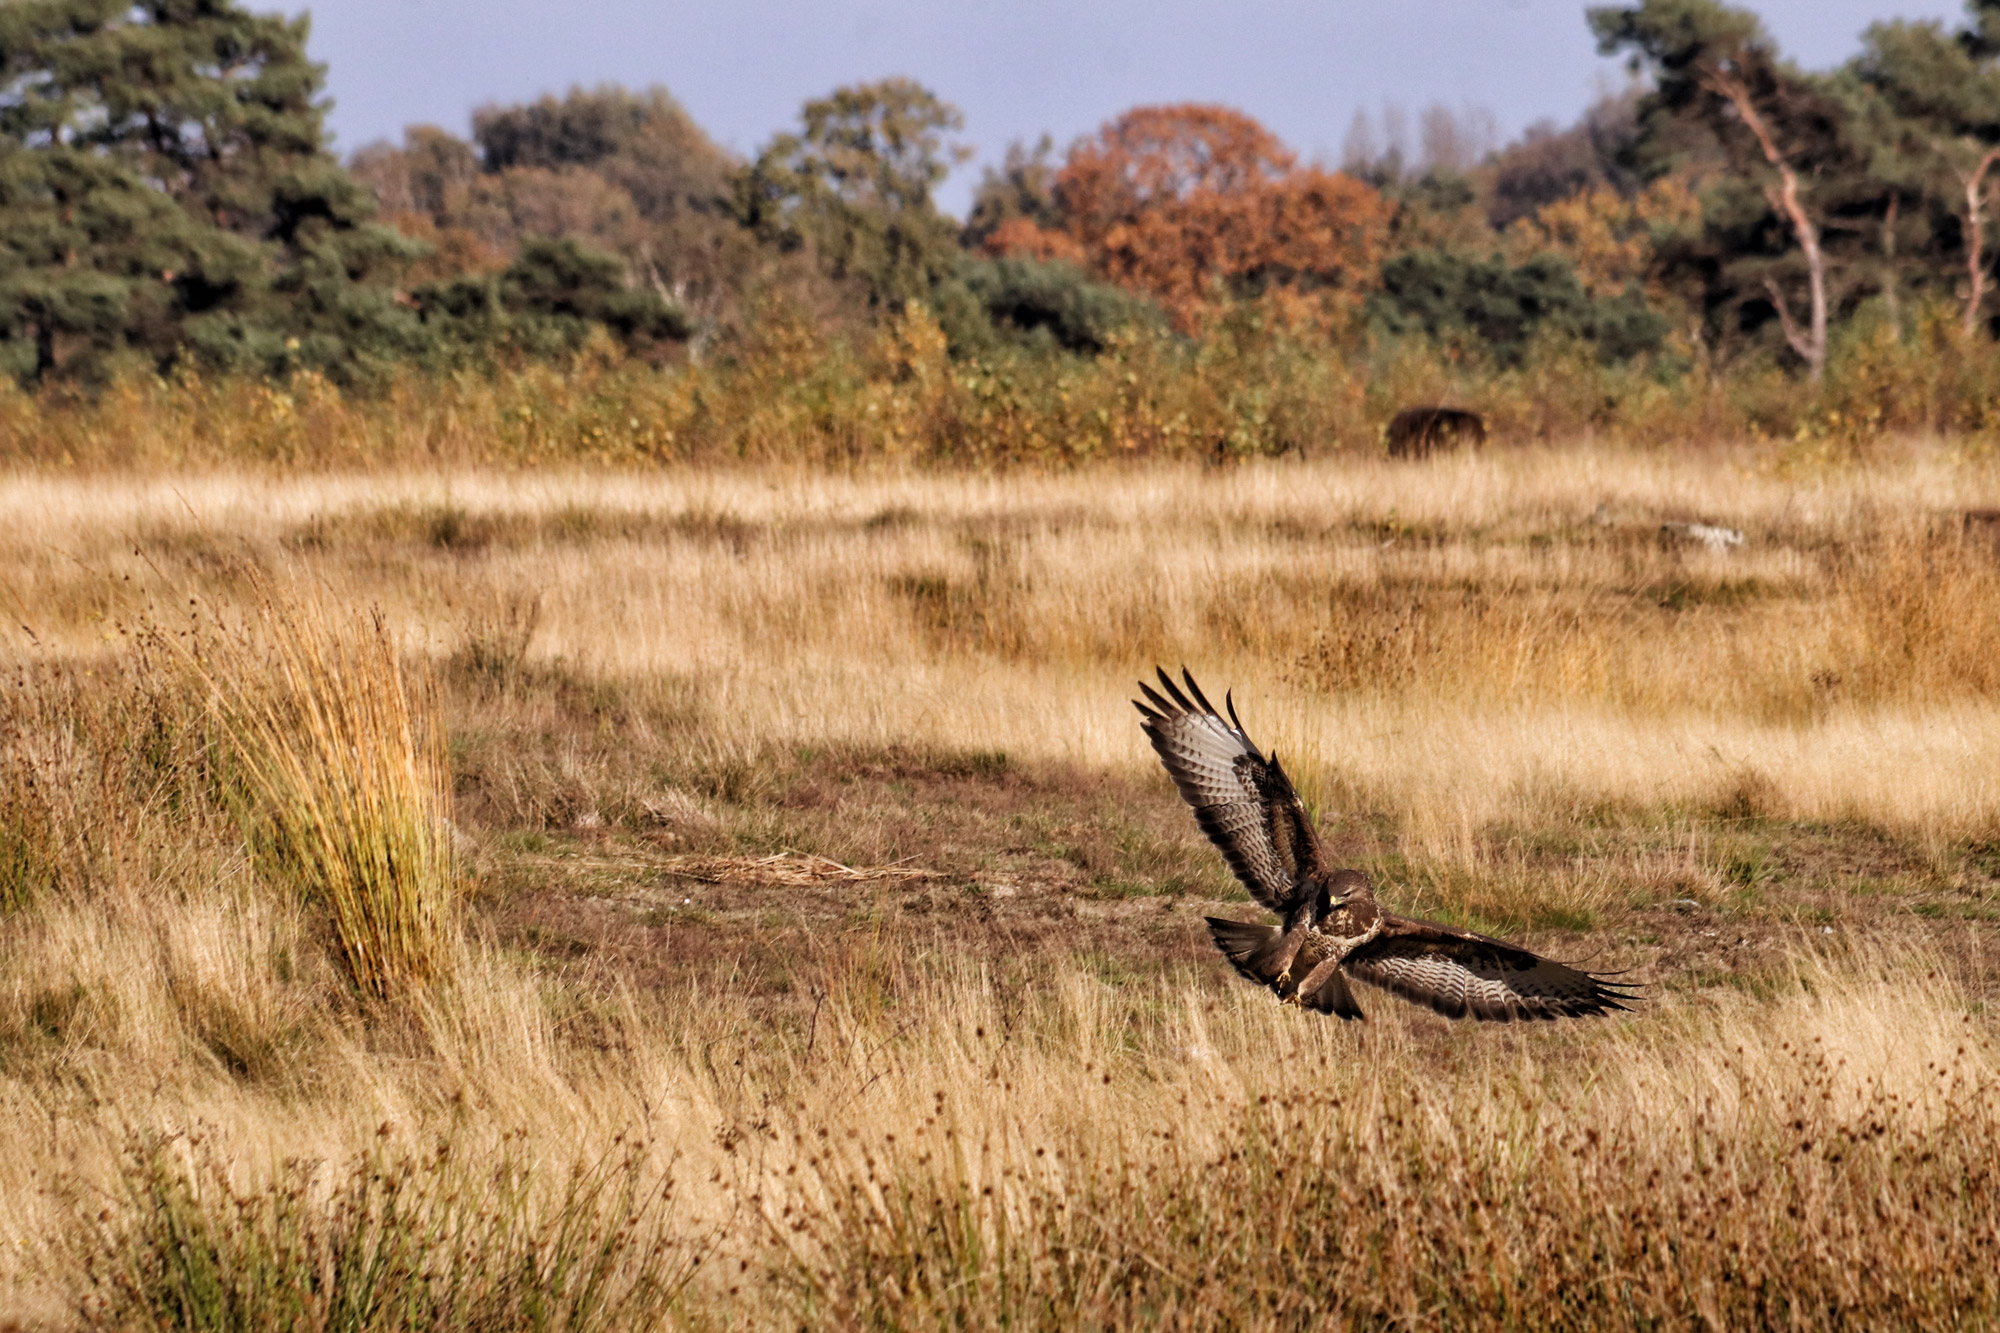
[955, 1152]
[830, 948]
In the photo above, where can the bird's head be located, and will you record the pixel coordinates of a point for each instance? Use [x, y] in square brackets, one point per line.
[1343, 885]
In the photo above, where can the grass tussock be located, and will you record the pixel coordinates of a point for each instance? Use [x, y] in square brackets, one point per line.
[345, 783]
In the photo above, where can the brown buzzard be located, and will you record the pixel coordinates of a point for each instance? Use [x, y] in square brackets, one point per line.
[1333, 930]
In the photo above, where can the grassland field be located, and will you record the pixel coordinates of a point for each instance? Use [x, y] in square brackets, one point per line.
[825, 943]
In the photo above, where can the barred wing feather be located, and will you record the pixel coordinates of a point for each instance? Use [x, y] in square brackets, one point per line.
[1242, 801]
[1463, 975]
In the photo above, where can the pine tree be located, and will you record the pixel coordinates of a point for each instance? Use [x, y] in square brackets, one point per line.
[165, 192]
[89, 259]
[1930, 106]
[1785, 135]
[1492, 308]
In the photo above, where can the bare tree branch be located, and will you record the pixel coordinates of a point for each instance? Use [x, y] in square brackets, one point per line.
[1794, 335]
[1785, 198]
[1975, 239]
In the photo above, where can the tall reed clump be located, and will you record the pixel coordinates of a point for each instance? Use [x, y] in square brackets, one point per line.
[341, 782]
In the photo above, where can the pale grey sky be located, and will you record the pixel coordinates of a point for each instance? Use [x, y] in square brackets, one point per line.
[742, 67]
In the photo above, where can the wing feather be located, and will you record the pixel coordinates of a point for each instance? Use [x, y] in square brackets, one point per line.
[1464, 975]
[1242, 800]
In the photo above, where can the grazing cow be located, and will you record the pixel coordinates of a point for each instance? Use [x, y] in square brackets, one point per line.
[1418, 432]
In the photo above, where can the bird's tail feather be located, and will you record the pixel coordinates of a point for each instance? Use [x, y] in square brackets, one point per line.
[1251, 949]
[1333, 996]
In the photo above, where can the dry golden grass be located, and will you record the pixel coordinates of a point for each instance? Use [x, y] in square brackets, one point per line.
[970, 1078]
[339, 780]
[1462, 642]
[953, 1151]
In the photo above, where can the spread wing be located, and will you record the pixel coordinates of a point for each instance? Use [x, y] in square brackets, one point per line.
[1463, 975]
[1243, 801]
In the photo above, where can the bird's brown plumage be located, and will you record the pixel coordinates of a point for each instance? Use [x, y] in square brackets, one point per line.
[1333, 929]
[1243, 801]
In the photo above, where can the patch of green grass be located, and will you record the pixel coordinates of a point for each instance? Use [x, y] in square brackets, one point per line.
[404, 1240]
[1746, 862]
[1684, 594]
[1746, 900]
[670, 915]
[1115, 886]
[1563, 916]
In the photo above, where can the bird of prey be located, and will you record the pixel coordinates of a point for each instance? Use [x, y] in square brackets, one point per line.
[1333, 929]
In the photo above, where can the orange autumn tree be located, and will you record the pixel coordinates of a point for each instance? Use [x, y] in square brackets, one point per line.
[1187, 202]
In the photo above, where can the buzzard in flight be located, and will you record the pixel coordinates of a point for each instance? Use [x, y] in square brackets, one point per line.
[1333, 930]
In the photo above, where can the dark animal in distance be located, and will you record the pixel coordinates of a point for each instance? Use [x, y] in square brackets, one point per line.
[1419, 432]
[1333, 929]
[1982, 525]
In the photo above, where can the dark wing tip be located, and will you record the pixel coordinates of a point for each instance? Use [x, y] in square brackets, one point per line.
[1602, 997]
[1585, 994]
[1195, 690]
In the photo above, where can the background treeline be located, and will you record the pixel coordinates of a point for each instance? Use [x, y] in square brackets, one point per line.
[1732, 245]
